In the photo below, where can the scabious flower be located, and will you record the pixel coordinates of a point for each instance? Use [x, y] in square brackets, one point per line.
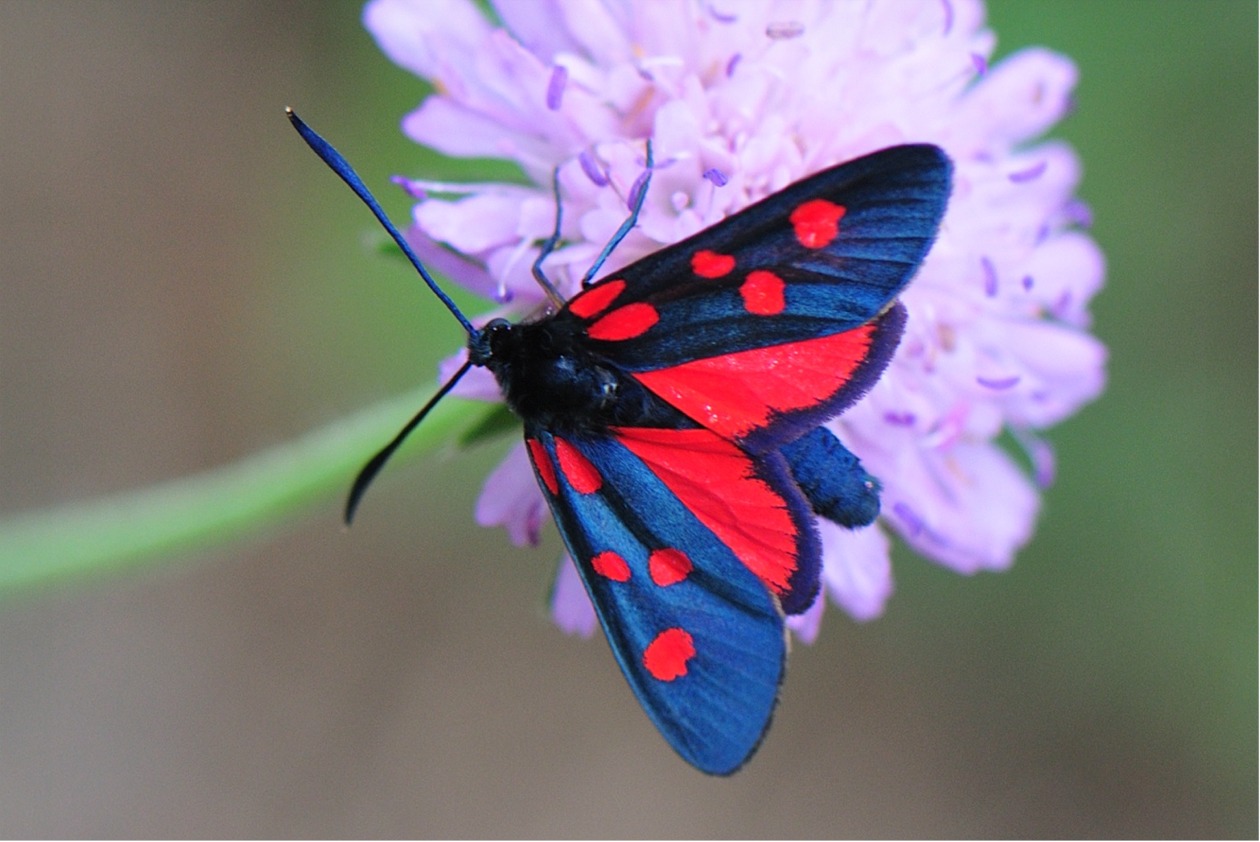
[740, 99]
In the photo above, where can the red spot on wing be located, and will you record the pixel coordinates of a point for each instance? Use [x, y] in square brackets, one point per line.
[624, 323]
[710, 264]
[542, 464]
[577, 469]
[762, 292]
[667, 655]
[596, 299]
[717, 483]
[734, 394]
[611, 566]
[668, 566]
[816, 222]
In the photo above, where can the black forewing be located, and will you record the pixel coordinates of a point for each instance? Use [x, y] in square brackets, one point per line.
[893, 202]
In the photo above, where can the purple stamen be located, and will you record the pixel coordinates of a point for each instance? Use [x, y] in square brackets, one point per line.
[555, 87]
[949, 15]
[1027, 282]
[1029, 174]
[636, 190]
[980, 63]
[412, 189]
[784, 30]
[917, 526]
[730, 65]
[913, 522]
[998, 383]
[1045, 471]
[533, 526]
[715, 176]
[1079, 213]
[899, 419]
[592, 169]
[990, 277]
[722, 17]
[1041, 453]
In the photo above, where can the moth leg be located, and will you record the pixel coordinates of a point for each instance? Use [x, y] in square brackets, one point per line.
[638, 192]
[549, 245]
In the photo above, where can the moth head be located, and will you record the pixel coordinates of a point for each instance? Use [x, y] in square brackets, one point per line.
[491, 343]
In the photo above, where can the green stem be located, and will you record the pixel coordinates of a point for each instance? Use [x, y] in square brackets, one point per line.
[106, 535]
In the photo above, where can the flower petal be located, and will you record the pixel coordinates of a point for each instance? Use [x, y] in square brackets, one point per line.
[478, 223]
[857, 569]
[458, 131]
[534, 25]
[968, 507]
[740, 100]
[1066, 272]
[510, 498]
[807, 624]
[418, 34]
[571, 607]
[1019, 98]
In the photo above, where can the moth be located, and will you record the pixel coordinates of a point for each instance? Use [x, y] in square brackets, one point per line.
[673, 412]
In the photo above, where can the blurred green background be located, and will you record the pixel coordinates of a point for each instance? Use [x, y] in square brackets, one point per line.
[181, 284]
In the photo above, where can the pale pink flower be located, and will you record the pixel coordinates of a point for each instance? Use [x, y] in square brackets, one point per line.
[739, 100]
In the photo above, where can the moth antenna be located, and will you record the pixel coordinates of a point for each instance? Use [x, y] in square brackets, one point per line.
[374, 465]
[341, 167]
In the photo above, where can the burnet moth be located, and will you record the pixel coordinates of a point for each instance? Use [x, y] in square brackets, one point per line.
[673, 412]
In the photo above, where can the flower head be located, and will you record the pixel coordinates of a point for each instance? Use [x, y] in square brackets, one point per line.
[739, 100]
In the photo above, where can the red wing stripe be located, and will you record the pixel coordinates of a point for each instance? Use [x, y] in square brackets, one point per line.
[734, 394]
[596, 299]
[714, 479]
[577, 469]
[624, 323]
[542, 463]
